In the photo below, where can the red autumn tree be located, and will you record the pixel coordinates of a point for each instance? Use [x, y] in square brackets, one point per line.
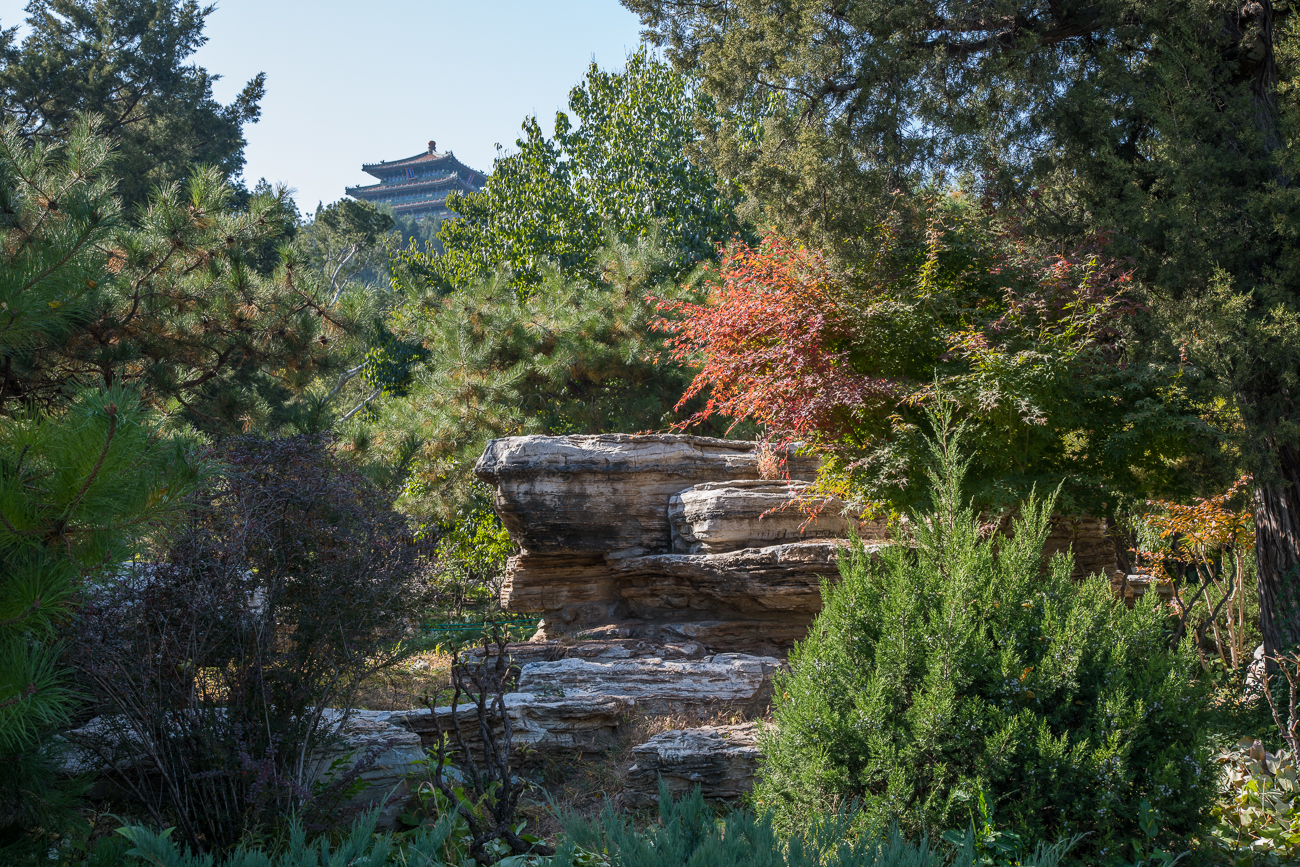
[772, 346]
[954, 305]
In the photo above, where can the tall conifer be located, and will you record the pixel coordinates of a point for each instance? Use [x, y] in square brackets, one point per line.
[85, 473]
[1170, 125]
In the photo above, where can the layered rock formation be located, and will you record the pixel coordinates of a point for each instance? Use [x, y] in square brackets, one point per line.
[715, 517]
[659, 537]
[1093, 547]
[676, 539]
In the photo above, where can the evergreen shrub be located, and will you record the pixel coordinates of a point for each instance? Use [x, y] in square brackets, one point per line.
[961, 665]
[690, 834]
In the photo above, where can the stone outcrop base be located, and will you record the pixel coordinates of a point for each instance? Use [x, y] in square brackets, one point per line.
[577, 704]
[721, 760]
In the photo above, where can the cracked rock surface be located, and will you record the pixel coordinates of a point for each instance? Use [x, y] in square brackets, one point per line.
[721, 760]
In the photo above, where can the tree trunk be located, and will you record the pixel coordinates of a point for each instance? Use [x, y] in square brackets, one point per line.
[1277, 554]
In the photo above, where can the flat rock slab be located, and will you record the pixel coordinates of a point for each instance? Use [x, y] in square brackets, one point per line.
[653, 685]
[544, 650]
[721, 760]
[772, 636]
[538, 722]
[716, 517]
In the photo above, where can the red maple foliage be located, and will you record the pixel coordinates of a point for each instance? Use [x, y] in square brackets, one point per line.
[769, 342]
[954, 305]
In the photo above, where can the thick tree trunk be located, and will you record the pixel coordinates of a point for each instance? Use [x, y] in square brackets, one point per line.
[1277, 554]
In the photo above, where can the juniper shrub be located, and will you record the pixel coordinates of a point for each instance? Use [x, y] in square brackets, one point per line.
[962, 664]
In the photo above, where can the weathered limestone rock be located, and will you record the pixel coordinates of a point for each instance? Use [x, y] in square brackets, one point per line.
[721, 760]
[571, 503]
[597, 494]
[754, 582]
[395, 752]
[604, 648]
[1094, 549]
[716, 517]
[583, 721]
[654, 685]
[578, 704]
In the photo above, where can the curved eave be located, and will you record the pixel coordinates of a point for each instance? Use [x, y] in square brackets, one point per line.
[413, 188]
[386, 169]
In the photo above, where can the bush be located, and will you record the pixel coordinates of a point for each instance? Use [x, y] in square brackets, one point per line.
[214, 669]
[471, 559]
[960, 665]
[361, 845]
[690, 833]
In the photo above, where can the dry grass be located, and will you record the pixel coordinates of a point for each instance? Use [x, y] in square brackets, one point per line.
[406, 684]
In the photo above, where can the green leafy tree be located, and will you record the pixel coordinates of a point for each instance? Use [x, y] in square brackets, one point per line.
[345, 241]
[346, 248]
[125, 61]
[570, 356]
[953, 668]
[625, 168]
[1171, 125]
[85, 473]
[953, 306]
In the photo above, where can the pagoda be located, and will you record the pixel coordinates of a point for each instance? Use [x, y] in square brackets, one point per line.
[418, 186]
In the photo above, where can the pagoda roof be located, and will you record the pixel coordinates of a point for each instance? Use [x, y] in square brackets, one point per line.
[424, 159]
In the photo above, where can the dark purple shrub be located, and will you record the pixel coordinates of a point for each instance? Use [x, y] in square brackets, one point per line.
[292, 581]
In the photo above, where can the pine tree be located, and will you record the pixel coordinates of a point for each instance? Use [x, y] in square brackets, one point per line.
[174, 303]
[124, 60]
[570, 355]
[85, 473]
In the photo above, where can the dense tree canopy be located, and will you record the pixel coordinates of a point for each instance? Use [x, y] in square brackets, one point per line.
[955, 306]
[125, 60]
[1168, 124]
[625, 167]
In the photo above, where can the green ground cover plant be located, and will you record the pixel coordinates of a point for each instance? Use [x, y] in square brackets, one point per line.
[690, 833]
[961, 665]
[358, 845]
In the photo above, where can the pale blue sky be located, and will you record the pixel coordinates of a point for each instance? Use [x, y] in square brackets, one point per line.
[349, 83]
